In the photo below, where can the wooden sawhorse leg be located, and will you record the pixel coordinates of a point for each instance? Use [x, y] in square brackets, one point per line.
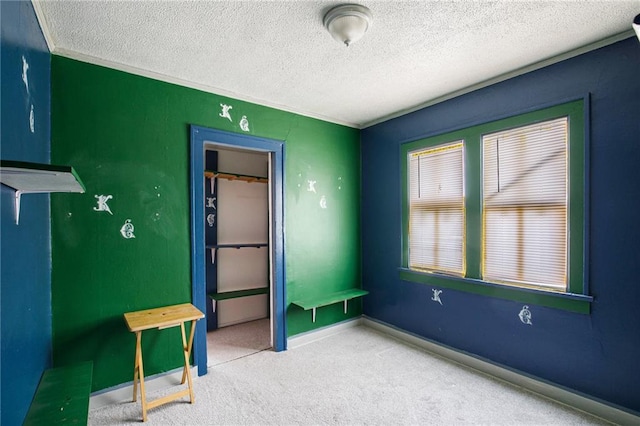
[138, 374]
[186, 348]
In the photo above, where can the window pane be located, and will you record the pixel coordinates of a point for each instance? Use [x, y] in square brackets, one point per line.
[436, 230]
[525, 205]
[526, 246]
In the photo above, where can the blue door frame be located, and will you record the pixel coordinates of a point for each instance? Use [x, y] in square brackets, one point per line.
[200, 138]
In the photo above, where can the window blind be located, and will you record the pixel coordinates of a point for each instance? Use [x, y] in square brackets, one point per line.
[436, 203]
[525, 205]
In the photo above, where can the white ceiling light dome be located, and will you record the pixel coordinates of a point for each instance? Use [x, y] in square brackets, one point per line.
[347, 23]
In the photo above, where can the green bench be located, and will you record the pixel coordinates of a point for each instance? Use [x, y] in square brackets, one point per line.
[225, 295]
[344, 296]
[62, 397]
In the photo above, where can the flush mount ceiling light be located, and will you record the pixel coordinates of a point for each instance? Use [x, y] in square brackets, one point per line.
[348, 23]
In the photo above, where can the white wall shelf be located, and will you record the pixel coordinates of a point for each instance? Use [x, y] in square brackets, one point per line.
[33, 178]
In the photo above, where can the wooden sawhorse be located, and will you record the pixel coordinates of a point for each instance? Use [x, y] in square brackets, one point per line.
[160, 318]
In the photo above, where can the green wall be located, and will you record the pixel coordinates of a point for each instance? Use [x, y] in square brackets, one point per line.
[128, 137]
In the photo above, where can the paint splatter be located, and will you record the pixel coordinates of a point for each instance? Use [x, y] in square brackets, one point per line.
[225, 111]
[311, 186]
[25, 78]
[323, 202]
[102, 203]
[525, 315]
[244, 124]
[32, 120]
[436, 295]
[127, 229]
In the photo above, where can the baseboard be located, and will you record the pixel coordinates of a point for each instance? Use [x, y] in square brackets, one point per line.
[321, 333]
[124, 393]
[594, 407]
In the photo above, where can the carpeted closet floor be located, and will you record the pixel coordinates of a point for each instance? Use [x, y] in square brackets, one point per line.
[237, 341]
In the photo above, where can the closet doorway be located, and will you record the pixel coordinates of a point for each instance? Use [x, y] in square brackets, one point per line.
[238, 280]
[237, 245]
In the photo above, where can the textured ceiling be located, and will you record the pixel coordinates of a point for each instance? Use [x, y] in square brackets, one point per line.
[277, 53]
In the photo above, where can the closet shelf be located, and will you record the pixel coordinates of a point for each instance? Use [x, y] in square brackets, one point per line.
[30, 178]
[226, 295]
[233, 176]
[238, 293]
[236, 246]
[214, 247]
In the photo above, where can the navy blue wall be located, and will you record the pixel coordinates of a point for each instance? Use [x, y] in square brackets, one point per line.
[596, 354]
[25, 300]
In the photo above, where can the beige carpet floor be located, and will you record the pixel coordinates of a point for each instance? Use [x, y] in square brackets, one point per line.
[355, 377]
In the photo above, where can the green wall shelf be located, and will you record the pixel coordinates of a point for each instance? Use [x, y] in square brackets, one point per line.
[217, 297]
[329, 299]
[33, 178]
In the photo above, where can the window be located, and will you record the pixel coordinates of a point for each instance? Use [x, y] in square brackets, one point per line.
[499, 209]
[524, 205]
[436, 232]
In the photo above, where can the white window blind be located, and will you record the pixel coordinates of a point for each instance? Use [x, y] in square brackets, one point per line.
[436, 221]
[525, 205]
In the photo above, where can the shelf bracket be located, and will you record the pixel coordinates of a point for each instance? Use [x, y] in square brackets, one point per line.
[18, 194]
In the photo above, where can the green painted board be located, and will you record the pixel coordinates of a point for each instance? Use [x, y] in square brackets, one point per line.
[238, 293]
[329, 299]
[62, 396]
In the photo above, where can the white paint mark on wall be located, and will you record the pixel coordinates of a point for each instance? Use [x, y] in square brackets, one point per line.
[211, 202]
[436, 295]
[127, 229]
[102, 203]
[225, 111]
[311, 186]
[32, 120]
[25, 77]
[339, 182]
[525, 315]
[211, 219]
[244, 124]
[323, 202]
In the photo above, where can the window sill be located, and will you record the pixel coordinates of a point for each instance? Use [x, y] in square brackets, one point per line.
[566, 301]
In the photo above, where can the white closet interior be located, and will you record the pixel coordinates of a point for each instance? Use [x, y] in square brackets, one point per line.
[242, 218]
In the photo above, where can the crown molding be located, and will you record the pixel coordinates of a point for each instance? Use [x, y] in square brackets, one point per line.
[44, 27]
[192, 85]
